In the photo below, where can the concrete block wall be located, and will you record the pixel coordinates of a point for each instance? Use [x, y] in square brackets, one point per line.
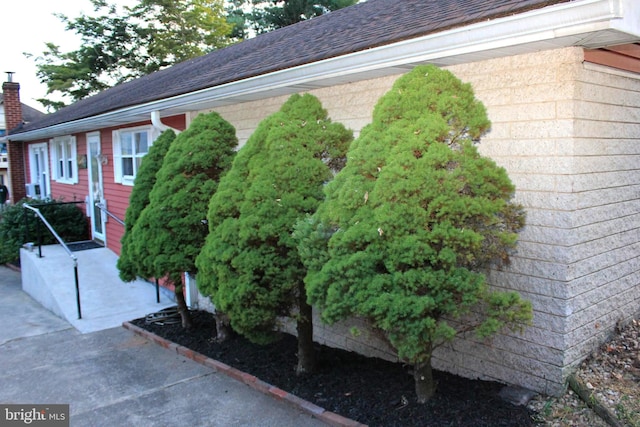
[530, 101]
[350, 104]
[567, 133]
[245, 117]
[603, 278]
[339, 335]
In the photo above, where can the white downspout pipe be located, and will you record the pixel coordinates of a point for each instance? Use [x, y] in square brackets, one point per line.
[158, 125]
[191, 289]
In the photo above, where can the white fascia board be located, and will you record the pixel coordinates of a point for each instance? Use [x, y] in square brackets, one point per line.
[631, 23]
[565, 24]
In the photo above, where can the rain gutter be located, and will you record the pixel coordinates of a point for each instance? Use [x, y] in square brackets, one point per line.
[567, 24]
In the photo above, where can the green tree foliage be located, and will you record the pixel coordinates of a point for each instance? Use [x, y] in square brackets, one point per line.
[411, 221]
[122, 44]
[171, 229]
[131, 267]
[68, 220]
[265, 16]
[250, 263]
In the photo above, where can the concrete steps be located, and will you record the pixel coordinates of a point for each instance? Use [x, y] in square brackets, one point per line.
[106, 301]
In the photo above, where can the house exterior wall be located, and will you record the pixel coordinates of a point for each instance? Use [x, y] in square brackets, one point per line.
[71, 192]
[351, 104]
[567, 133]
[116, 194]
[605, 239]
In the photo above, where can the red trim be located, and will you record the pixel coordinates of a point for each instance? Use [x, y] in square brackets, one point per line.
[624, 57]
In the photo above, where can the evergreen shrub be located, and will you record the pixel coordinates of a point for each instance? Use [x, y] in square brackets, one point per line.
[250, 265]
[68, 220]
[413, 221]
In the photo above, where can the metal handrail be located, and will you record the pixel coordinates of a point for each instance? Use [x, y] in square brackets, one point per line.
[74, 258]
[103, 208]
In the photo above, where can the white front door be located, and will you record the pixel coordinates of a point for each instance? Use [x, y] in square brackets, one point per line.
[95, 186]
[39, 160]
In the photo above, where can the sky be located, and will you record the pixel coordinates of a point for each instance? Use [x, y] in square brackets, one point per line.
[26, 26]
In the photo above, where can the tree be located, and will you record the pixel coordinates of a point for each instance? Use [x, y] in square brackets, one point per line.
[266, 16]
[119, 45]
[171, 229]
[131, 267]
[412, 220]
[250, 263]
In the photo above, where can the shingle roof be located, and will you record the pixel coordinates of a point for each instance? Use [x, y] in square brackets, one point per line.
[355, 28]
[29, 114]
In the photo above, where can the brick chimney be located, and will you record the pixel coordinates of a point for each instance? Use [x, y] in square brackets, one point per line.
[15, 150]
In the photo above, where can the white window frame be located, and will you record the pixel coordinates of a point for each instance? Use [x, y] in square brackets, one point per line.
[125, 138]
[64, 159]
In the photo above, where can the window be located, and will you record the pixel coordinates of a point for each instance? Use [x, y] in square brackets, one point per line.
[129, 147]
[63, 155]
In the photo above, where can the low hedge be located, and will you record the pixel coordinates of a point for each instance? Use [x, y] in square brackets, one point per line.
[67, 220]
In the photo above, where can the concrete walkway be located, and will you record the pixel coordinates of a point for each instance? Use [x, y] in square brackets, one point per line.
[113, 377]
[105, 300]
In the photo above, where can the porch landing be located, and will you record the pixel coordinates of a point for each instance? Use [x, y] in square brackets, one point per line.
[106, 301]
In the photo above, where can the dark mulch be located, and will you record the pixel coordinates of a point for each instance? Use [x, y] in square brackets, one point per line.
[368, 390]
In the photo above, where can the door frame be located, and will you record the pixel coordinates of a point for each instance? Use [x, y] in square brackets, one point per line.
[39, 168]
[98, 217]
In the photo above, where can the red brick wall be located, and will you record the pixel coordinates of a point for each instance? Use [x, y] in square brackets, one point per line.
[13, 118]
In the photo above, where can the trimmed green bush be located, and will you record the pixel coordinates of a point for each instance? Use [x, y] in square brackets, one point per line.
[250, 264]
[67, 220]
[410, 223]
[171, 230]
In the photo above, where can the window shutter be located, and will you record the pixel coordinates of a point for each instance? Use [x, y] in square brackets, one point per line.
[117, 157]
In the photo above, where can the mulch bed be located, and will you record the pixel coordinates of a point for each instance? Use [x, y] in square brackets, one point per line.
[368, 390]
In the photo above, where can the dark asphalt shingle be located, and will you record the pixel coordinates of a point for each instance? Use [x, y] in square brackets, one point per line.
[355, 28]
[29, 114]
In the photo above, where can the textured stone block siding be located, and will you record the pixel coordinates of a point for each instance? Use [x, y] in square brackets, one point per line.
[603, 276]
[530, 101]
[351, 104]
[245, 117]
[567, 133]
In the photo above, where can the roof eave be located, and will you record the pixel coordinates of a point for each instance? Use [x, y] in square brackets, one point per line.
[586, 23]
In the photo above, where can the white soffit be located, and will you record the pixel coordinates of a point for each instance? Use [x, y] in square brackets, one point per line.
[585, 23]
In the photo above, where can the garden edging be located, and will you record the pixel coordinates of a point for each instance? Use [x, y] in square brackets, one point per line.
[312, 409]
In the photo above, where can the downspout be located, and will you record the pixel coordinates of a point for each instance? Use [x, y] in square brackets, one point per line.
[158, 125]
[190, 288]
